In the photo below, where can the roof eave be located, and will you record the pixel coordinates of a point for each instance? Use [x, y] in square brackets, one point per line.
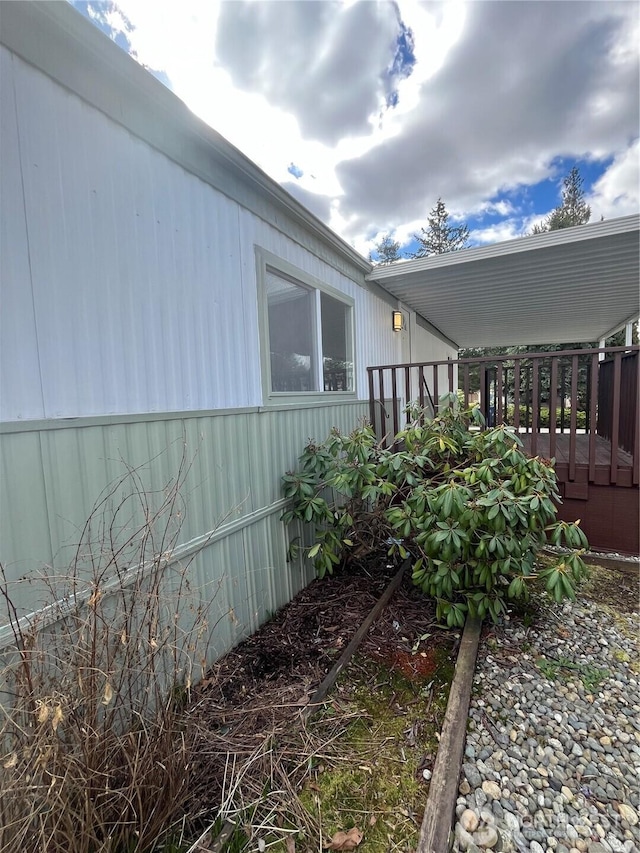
[530, 243]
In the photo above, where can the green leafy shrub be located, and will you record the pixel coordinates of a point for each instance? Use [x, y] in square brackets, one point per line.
[469, 508]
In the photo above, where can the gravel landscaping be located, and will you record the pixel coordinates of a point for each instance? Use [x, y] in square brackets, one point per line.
[552, 756]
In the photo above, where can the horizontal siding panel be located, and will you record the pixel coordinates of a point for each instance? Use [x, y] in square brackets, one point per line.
[232, 469]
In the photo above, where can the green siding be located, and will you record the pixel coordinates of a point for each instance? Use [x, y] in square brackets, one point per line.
[52, 477]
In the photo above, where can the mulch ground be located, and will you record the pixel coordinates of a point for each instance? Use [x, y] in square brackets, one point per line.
[254, 695]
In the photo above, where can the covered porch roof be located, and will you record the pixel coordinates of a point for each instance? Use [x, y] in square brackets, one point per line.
[573, 285]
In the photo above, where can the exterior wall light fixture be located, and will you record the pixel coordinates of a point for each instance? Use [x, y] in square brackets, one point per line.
[397, 321]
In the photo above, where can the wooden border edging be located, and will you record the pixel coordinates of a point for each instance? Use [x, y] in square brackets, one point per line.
[329, 680]
[435, 832]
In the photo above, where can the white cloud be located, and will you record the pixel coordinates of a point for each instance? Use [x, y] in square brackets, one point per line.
[515, 93]
[498, 92]
[508, 229]
[617, 192]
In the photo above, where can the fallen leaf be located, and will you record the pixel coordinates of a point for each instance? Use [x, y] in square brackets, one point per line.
[291, 844]
[345, 840]
[373, 820]
[10, 761]
[57, 717]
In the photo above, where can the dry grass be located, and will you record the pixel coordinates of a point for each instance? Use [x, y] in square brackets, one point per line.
[96, 753]
[259, 798]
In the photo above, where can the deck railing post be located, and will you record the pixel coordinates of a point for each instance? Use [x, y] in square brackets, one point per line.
[574, 417]
[372, 404]
[499, 391]
[436, 395]
[465, 385]
[563, 393]
[527, 397]
[587, 398]
[553, 406]
[383, 415]
[615, 420]
[484, 408]
[396, 403]
[593, 400]
[535, 406]
[407, 393]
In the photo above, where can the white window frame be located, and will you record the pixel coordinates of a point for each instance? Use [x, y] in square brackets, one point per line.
[267, 261]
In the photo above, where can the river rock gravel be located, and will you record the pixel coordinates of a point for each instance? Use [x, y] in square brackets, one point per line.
[552, 755]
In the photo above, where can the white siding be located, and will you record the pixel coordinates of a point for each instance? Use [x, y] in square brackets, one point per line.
[138, 297]
[19, 365]
[130, 284]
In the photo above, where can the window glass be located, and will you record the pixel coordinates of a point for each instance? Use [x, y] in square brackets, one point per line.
[309, 335]
[337, 362]
[292, 351]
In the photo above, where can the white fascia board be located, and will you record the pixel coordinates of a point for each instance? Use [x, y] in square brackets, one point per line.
[59, 41]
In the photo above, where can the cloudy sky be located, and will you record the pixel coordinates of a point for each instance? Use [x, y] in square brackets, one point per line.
[369, 111]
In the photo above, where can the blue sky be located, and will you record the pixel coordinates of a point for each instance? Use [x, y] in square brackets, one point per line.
[368, 112]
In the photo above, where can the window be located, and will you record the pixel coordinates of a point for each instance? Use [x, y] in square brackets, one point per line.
[307, 331]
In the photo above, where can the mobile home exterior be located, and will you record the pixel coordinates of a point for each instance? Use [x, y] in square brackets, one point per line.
[163, 299]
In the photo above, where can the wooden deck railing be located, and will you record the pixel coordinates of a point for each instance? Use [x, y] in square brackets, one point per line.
[578, 406]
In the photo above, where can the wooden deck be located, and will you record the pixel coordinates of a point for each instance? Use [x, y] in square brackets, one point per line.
[563, 450]
[592, 396]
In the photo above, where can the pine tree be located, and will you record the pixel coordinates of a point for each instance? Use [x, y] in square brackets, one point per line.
[573, 209]
[440, 237]
[387, 251]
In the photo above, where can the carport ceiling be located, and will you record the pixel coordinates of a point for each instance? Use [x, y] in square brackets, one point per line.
[574, 285]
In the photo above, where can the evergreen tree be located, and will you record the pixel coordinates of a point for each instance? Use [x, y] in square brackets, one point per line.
[573, 209]
[440, 237]
[387, 251]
